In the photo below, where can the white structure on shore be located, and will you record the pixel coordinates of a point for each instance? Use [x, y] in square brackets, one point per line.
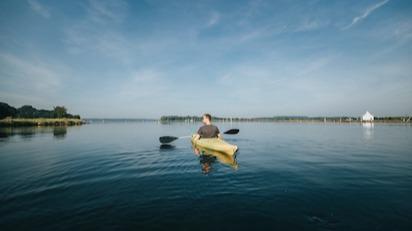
[367, 117]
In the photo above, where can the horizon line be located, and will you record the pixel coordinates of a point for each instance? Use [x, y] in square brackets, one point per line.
[240, 117]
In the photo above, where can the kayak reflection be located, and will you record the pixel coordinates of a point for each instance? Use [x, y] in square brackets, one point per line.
[208, 157]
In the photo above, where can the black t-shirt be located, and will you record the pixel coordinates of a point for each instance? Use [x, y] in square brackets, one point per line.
[208, 131]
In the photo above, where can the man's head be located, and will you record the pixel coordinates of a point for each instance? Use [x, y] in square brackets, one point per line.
[207, 119]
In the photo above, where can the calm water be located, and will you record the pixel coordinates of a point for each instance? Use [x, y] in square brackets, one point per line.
[285, 176]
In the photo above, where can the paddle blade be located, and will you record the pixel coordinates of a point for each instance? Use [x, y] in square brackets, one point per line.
[167, 139]
[232, 131]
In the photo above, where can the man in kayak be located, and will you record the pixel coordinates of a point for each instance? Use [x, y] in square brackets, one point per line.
[208, 130]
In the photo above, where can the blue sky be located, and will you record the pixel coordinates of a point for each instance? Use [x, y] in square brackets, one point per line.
[230, 58]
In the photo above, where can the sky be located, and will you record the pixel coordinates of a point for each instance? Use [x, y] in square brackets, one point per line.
[144, 59]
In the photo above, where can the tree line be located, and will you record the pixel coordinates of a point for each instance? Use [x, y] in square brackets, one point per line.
[28, 111]
[174, 118]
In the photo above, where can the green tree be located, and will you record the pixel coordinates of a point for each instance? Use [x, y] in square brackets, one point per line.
[27, 111]
[7, 110]
[60, 112]
[45, 113]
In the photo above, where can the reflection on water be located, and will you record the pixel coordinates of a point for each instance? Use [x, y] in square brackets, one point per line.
[209, 157]
[367, 130]
[59, 132]
[206, 162]
[293, 176]
[166, 147]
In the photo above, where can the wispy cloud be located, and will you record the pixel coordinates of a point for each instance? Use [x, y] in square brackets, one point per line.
[213, 19]
[144, 83]
[39, 8]
[365, 14]
[36, 74]
[97, 32]
[314, 65]
[83, 40]
[109, 10]
[309, 25]
[148, 58]
[30, 78]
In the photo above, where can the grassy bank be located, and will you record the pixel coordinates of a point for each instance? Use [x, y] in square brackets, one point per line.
[12, 122]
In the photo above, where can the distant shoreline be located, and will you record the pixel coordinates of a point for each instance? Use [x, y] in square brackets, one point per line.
[27, 115]
[21, 122]
[298, 119]
[37, 122]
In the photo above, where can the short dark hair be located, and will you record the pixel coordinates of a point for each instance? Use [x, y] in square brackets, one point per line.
[208, 116]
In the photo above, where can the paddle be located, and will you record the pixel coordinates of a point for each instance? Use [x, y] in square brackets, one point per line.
[169, 139]
[233, 131]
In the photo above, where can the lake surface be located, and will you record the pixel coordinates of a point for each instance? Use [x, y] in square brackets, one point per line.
[286, 176]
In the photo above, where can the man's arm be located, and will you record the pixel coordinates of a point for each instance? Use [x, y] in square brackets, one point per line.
[196, 136]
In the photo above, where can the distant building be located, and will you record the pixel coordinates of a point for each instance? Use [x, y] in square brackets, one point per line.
[367, 117]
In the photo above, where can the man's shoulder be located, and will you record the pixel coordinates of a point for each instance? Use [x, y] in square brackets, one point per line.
[214, 127]
[203, 127]
[208, 126]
